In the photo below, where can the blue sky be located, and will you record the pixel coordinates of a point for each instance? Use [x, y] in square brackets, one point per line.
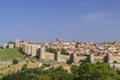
[45, 20]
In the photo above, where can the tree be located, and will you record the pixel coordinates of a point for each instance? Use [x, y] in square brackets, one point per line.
[41, 74]
[86, 71]
[42, 77]
[1, 47]
[115, 62]
[15, 61]
[99, 71]
[24, 67]
[74, 70]
[51, 50]
[64, 52]
[69, 61]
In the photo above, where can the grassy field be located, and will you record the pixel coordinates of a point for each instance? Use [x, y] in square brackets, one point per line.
[10, 54]
[14, 53]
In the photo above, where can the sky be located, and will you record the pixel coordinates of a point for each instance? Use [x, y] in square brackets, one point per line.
[46, 20]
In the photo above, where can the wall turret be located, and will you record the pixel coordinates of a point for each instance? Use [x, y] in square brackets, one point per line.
[17, 43]
[42, 53]
[75, 58]
[29, 49]
[25, 45]
[58, 56]
[5, 46]
[109, 57]
[34, 50]
[91, 57]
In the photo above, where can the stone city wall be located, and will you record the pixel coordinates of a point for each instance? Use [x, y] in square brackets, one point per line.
[99, 59]
[64, 58]
[79, 58]
[36, 50]
[50, 56]
[114, 58]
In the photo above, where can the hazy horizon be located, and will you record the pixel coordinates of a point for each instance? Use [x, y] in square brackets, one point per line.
[44, 21]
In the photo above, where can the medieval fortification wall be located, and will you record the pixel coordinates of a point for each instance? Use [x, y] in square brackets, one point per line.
[37, 50]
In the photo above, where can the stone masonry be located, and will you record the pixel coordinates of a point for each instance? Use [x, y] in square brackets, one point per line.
[35, 50]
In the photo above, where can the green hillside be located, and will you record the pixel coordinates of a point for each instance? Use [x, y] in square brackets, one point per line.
[10, 54]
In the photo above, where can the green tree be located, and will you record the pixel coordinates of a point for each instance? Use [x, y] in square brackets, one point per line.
[74, 70]
[86, 71]
[100, 71]
[115, 62]
[64, 52]
[24, 67]
[42, 77]
[69, 61]
[15, 61]
[51, 50]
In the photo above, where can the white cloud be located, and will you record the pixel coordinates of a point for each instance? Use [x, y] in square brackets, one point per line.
[100, 18]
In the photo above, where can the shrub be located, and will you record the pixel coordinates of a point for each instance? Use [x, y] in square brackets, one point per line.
[51, 50]
[24, 67]
[69, 61]
[46, 65]
[64, 52]
[115, 62]
[15, 61]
